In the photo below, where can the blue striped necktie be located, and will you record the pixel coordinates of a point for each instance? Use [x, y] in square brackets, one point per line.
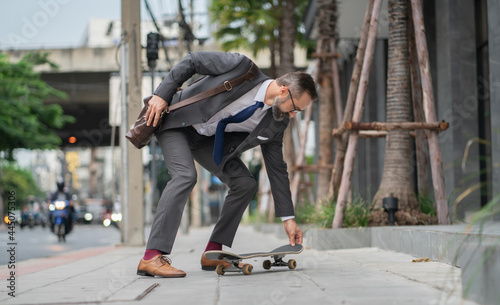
[237, 118]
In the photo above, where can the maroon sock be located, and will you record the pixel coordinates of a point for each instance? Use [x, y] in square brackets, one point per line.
[150, 253]
[213, 246]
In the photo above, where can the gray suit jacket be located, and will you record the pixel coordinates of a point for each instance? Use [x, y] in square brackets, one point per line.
[219, 67]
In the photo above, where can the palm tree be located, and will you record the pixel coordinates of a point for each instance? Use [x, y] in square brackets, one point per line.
[258, 25]
[246, 24]
[398, 169]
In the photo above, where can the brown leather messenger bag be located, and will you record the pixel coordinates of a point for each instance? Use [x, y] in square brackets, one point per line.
[226, 86]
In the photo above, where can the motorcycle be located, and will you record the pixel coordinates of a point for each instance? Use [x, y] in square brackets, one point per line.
[60, 218]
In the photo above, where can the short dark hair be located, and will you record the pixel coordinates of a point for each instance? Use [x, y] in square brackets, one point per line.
[298, 83]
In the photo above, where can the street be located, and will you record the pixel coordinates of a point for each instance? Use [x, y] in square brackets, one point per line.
[39, 242]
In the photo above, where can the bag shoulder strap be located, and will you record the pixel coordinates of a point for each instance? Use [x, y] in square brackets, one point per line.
[226, 86]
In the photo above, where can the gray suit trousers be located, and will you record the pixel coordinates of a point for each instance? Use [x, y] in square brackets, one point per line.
[180, 148]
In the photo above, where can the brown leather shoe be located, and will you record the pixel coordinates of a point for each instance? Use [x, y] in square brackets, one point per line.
[159, 266]
[210, 265]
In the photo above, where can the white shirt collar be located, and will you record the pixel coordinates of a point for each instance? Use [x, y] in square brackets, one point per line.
[261, 94]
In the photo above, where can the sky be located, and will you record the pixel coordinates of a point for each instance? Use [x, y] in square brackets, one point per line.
[31, 24]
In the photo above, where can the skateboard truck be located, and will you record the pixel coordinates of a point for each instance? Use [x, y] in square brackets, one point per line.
[234, 267]
[278, 262]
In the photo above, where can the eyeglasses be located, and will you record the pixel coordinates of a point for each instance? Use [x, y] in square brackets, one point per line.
[295, 109]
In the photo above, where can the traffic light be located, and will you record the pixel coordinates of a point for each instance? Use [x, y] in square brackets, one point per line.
[152, 47]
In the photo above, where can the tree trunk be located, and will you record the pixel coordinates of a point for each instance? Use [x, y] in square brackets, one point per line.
[326, 118]
[288, 29]
[272, 50]
[398, 169]
[327, 15]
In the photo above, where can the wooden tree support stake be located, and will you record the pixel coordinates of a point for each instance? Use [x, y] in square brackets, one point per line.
[418, 113]
[430, 113]
[325, 55]
[372, 133]
[437, 126]
[376, 133]
[312, 168]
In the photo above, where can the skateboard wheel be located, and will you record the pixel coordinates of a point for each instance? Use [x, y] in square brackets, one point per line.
[266, 264]
[247, 269]
[220, 269]
[292, 264]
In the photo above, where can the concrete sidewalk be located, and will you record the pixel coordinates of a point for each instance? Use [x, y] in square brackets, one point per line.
[354, 276]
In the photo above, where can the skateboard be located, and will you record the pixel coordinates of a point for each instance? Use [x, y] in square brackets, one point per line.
[234, 259]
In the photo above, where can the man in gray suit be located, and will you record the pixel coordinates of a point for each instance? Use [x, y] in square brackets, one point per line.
[214, 132]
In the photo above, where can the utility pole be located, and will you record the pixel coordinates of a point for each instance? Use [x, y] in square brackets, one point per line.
[131, 180]
[153, 39]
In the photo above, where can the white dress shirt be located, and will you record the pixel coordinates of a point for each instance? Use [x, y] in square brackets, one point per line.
[257, 94]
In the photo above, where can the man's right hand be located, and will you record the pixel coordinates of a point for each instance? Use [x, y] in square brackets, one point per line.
[293, 231]
[156, 106]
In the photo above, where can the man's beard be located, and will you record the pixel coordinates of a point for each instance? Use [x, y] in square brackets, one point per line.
[277, 113]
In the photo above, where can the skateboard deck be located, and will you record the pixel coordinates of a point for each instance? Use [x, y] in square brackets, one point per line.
[234, 259]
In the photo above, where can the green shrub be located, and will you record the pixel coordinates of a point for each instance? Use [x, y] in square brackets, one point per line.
[426, 204]
[356, 214]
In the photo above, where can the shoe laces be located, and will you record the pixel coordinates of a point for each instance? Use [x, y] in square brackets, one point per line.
[165, 260]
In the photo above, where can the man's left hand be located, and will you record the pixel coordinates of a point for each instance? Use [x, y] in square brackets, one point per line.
[293, 231]
[156, 107]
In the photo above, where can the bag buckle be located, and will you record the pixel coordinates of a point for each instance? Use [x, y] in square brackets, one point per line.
[228, 86]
